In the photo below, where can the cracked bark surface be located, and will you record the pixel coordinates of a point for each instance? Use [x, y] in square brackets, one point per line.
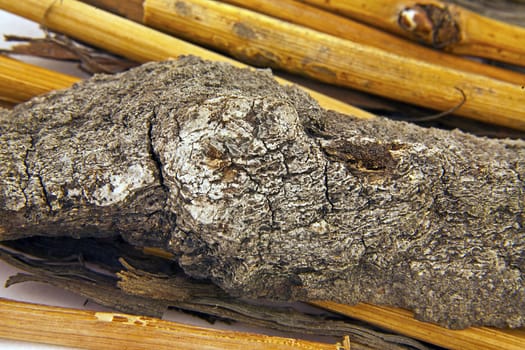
[255, 187]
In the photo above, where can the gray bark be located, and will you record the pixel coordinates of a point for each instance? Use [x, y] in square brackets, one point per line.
[254, 186]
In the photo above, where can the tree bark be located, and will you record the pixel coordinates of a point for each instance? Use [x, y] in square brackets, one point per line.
[254, 186]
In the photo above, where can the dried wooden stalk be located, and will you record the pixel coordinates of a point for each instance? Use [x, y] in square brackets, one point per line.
[403, 322]
[257, 188]
[345, 28]
[114, 331]
[133, 41]
[19, 82]
[346, 64]
[438, 24]
[265, 41]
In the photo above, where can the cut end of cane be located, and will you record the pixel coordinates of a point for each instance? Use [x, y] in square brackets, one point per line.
[409, 19]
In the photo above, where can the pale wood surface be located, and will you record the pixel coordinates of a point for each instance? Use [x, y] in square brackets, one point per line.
[403, 322]
[115, 331]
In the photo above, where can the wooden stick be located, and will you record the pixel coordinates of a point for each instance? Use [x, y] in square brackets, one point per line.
[19, 81]
[115, 331]
[347, 64]
[270, 42]
[342, 27]
[134, 41]
[464, 32]
[403, 322]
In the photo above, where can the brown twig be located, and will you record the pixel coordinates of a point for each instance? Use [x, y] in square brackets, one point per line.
[510, 11]
[60, 47]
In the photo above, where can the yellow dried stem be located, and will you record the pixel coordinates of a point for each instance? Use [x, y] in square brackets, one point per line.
[115, 331]
[19, 82]
[459, 31]
[345, 28]
[129, 39]
[268, 41]
[104, 30]
[403, 322]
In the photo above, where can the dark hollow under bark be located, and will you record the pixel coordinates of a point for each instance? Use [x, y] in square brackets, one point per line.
[254, 186]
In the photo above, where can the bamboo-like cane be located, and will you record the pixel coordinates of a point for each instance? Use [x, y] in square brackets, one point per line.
[267, 41]
[305, 51]
[115, 331]
[403, 322]
[345, 28]
[458, 30]
[129, 39]
[19, 82]
[509, 11]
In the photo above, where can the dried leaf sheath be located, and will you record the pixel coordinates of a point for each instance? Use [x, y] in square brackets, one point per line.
[257, 188]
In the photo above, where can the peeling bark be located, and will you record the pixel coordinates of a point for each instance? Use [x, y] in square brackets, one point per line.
[60, 47]
[254, 186]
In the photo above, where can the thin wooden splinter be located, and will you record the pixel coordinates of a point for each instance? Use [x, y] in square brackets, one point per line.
[116, 331]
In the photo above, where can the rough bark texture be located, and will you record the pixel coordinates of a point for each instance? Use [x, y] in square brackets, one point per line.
[254, 186]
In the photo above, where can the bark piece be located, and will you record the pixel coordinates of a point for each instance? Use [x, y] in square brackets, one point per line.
[60, 47]
[148, 292]
[254, 186]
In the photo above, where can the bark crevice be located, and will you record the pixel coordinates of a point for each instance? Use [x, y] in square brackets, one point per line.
[27, 169]
[154, 154]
